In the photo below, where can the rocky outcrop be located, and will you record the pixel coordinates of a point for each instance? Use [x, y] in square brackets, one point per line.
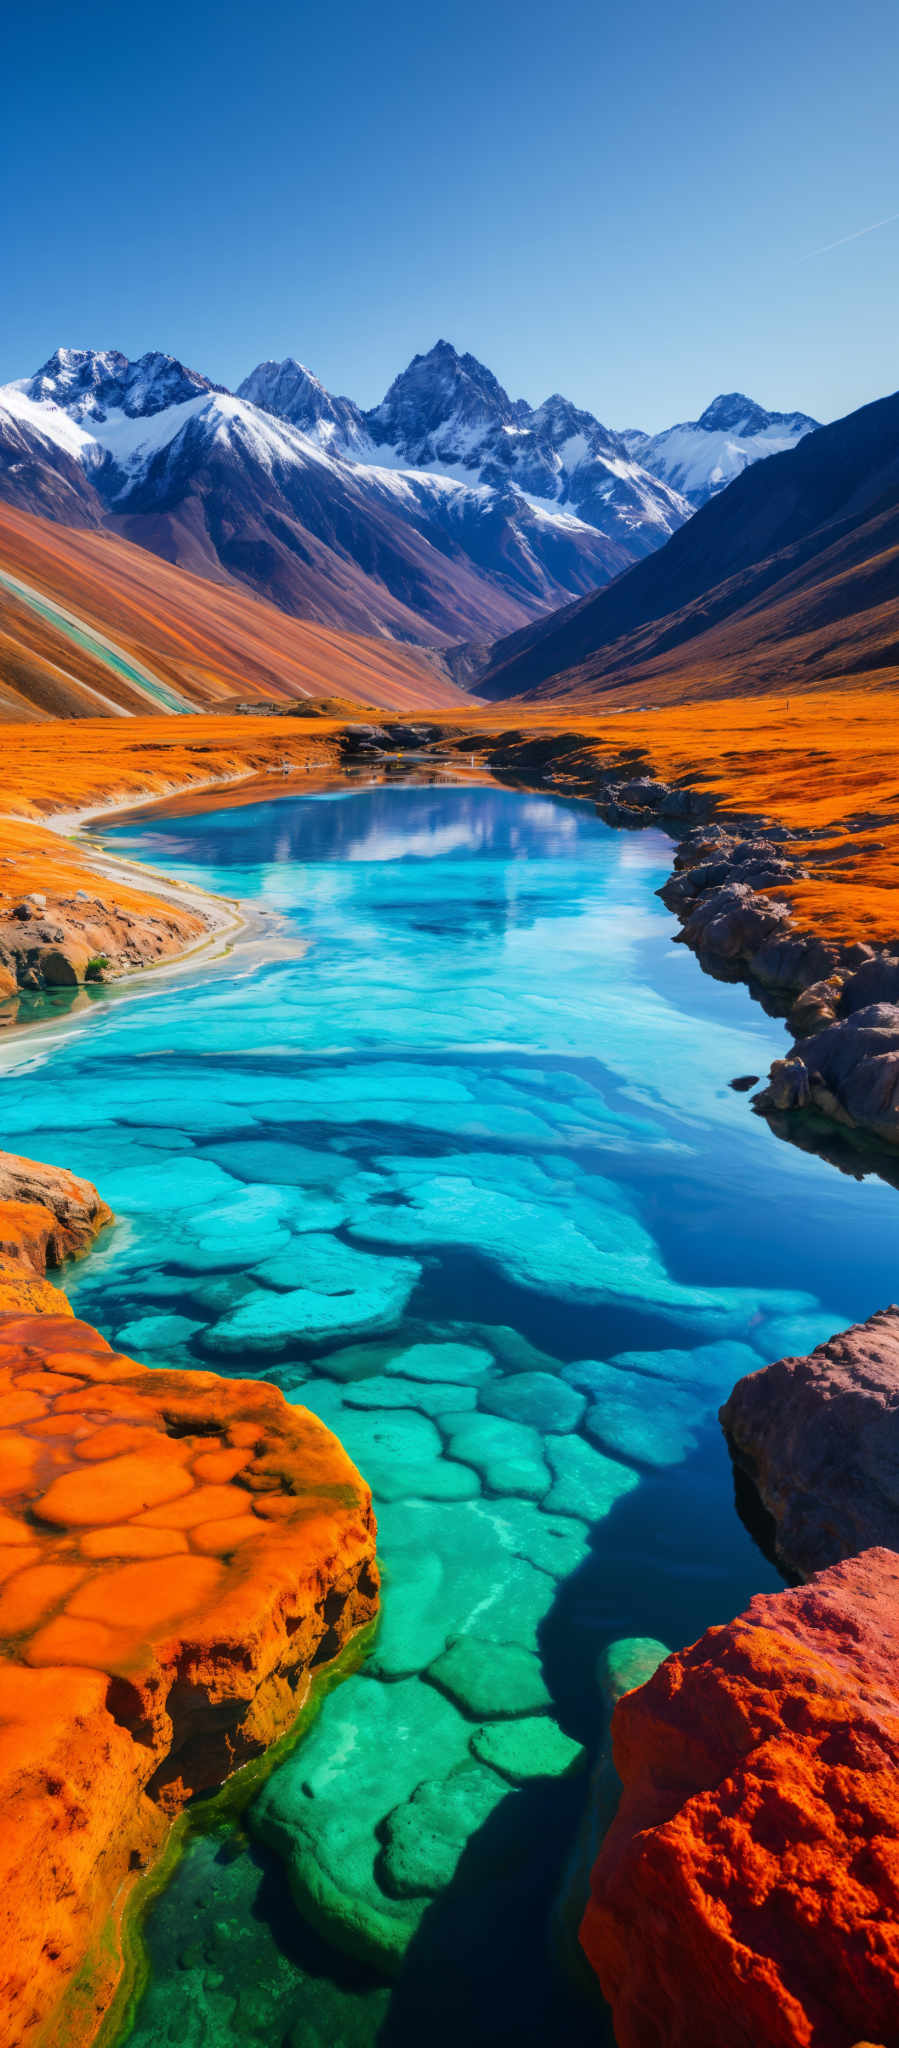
[64, 1216]
[46, 1216]
[816, 1442]
[748, 1889]
[65, 940]
[178, 1554]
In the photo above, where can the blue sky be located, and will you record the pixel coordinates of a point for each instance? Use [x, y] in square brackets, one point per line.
[624, 204]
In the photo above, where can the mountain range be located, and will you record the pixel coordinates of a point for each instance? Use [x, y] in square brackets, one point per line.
[788, 579]
[450, 513]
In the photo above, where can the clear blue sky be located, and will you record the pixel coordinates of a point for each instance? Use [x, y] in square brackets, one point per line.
[616, 201]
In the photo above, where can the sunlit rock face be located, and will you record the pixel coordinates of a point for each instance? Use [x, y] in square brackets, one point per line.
[467, 1180]
[748, 1889]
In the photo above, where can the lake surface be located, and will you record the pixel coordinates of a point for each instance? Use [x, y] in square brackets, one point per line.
[468, 1180]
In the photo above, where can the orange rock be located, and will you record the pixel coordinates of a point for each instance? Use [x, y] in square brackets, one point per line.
[204, 1504]
[59, 1214]
[128, 1541]
[123, 1487]
[147, 1595]
[34, 1592]
[116, 1437]
[161, 1617]
[748, 1889]
[22, 1292]
[220, 1466]
[220, 1538]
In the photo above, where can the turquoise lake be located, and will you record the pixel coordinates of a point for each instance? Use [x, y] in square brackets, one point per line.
[466, 1177]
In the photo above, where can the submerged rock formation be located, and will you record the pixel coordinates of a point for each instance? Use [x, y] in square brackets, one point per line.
[177, 1554]
[748, 1889]
[817, 1439]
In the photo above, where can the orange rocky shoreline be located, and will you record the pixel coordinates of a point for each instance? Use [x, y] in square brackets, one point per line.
[178, 1555]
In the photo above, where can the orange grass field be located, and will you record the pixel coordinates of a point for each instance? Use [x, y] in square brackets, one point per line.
[818, 763]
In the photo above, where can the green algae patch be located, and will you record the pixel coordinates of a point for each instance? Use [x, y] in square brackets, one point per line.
[219, 1812]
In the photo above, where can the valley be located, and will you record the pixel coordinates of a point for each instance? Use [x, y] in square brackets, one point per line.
[375, 1192]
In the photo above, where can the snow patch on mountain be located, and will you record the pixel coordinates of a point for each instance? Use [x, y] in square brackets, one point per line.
[290, 392]
[447, 415]
[701, 457]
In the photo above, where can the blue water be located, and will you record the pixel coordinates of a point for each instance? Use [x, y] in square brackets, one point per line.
[460, 1169]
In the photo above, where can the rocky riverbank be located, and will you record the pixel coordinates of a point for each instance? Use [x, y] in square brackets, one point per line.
[178, 1555]
[70, 916]
[733, 881]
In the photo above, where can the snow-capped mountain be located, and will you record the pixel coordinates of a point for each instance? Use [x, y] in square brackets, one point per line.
[213, 482]
[291, 392]
[700, 457]
[450, 512]
[449, 416]
[90, 382]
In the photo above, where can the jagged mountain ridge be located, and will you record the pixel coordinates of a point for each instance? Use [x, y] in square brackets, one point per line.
[701, 457]
[447, 414]
[449, 513]
[212, 482]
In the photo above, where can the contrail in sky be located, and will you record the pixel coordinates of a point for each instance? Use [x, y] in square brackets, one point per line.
[850, 238]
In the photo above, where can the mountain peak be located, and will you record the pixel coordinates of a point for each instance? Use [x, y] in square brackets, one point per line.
[700, 457]
[94, 381]
[291, 392]
[732, 412]
[442, 393]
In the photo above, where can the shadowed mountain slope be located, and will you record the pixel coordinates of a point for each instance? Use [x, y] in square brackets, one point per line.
[788, 579]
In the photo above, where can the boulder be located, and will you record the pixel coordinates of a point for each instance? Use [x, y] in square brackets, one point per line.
[856, 1060]
[788, 1085]
[732, 922]
[875, 981]
[817, 1438]
[747, 1891]
[48, 1214]
[816, 1007]
[64, 965]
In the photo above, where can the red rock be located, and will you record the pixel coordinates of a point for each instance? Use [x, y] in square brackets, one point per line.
[747, 1893]
[160, 1619]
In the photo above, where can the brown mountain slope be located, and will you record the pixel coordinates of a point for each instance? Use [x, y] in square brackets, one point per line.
[90, 624]
[788, 580]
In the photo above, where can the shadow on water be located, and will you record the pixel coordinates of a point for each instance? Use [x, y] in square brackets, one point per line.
[478, 1969]
[512, 1974]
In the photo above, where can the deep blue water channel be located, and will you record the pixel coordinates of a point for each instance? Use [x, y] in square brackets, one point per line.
[466, 1177]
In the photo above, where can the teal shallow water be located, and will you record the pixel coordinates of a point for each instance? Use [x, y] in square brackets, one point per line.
[468, 1180]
